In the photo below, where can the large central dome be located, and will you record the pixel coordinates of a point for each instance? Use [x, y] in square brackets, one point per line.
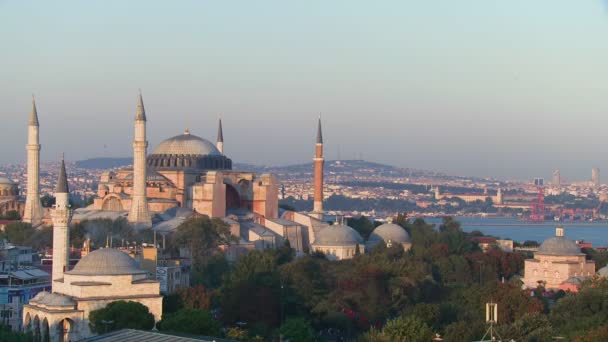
[187, 152]
[186, 144]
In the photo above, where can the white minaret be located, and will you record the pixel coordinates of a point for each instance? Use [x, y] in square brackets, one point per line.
[33, 208]
[61, 215]
[220, 138]
[139, 213]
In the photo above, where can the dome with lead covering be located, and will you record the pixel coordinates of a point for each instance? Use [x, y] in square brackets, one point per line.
[338, 235]
[389, 232]
[603, 272]
[186, 144]
[52, 299]
[106, 261]
[6, 181]
[559, 245]
[187, 151]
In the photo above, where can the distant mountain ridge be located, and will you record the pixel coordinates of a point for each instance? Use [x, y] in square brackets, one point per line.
[103, 163]
[331, 166]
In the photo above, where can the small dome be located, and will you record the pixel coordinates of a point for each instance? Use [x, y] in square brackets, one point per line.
[389, 231]
[186, 144]
[6, 181]
[603, 272]
[106, 261]
[52, 299]
[338, 235]
[573, 280]
[559, 245]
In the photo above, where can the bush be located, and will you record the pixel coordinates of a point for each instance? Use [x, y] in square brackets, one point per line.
[121, 315]
[190, 321]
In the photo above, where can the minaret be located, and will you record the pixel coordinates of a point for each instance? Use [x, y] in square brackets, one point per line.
[33, 208]
[220, 138]
[61, 215]
[140, 214]
[318, 164]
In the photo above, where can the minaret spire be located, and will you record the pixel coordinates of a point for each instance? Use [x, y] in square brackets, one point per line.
[139, 213]
[220, 137]
[33, 208]
[61, 215]
[318, 169]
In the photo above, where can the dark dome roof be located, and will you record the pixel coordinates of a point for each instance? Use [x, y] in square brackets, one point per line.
[106, 261]
[559, 245]
[338, 235]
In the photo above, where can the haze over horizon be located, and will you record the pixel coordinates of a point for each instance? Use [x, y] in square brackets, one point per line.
[493, 89]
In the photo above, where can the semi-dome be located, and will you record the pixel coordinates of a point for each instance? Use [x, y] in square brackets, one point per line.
[186, 144]
[559, 245]
[106, 261]
[603, 272]
[389, 231]
[6, 181]
[338, 235]
[52, 299]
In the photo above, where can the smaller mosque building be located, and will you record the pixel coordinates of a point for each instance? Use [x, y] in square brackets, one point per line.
[101, 277]
[9, 197]
[558, 261]
[338, 242]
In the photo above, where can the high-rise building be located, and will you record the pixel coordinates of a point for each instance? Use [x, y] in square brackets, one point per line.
[33, 208]
[595, 177]
[557, 178]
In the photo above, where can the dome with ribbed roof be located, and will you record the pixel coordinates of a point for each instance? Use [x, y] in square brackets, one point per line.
[389, 232]
[603, 272]
[107, 261]
[187, 151]
[338, 235]
[186, 144]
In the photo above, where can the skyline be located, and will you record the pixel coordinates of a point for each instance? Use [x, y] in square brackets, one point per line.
[490, 90]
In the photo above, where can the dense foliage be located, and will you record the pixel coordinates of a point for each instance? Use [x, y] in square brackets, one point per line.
[121, 315]
[191, 321]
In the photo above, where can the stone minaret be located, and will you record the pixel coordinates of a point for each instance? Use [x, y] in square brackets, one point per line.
[33, 208]
[318, 164]
[220, 138]
[140, 214]
[61, 215]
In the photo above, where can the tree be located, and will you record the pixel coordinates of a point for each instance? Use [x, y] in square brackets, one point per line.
[362, 225]
[190, 321]
[597, 334]
[11, 215]
[47, 201]
[202, 236]
[121, 315]
[409, 328]
[197, 297]
[297, 330]
[10, 336]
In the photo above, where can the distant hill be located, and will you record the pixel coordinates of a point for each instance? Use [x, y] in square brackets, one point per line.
[104, 163]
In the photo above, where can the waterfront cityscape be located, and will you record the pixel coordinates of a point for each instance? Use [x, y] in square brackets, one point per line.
[176, 172]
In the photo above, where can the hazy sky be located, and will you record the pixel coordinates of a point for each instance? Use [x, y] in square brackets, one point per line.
[511, 88]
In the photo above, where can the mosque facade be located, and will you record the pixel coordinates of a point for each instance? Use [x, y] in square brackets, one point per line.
[559, 263]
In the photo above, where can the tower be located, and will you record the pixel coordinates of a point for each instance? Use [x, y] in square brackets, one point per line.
[139, 213]
[220, 138]
[499, 196]
[557, 179]
[318, 165]
[33, 208]
[595, 177]
[61, 215]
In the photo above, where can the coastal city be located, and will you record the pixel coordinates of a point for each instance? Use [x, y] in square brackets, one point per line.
[321, 171]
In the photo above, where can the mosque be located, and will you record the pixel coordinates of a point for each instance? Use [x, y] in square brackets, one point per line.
[9, 197]
[559, 263]
[184, 176]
